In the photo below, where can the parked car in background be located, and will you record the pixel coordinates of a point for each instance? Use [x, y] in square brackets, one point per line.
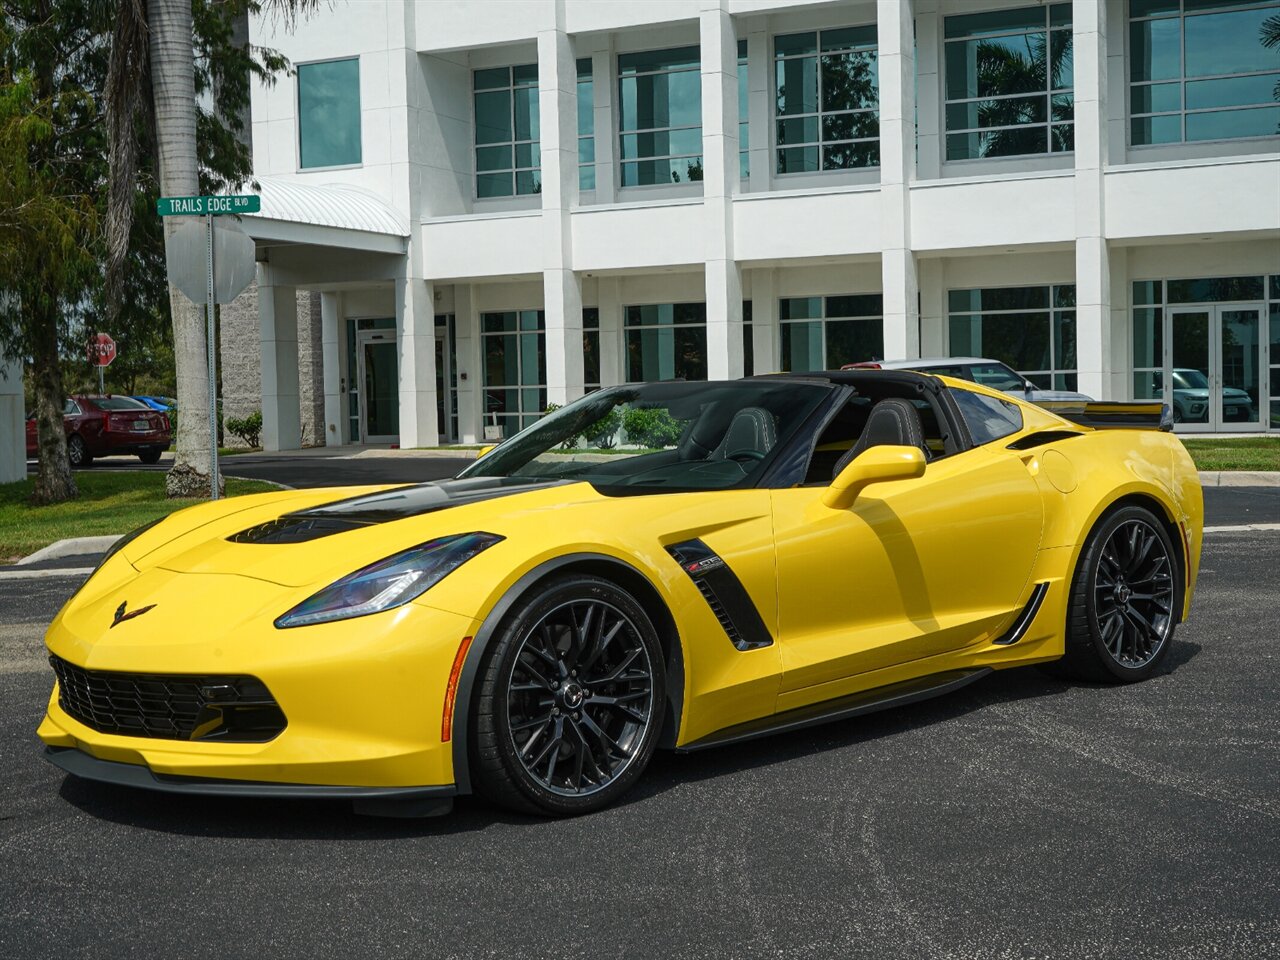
[109, 426]
[989, 373]
[1191, 399]
[162, 404]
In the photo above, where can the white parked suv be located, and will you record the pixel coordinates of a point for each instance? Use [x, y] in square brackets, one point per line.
[989, 373]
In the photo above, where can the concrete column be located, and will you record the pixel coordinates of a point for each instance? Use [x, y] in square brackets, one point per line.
[331, 347]
[613, 369]
[562, 290]
[928, 87]
[310, 369]
[467, 347]
[1093, 268]
[759, 109]
[933, 308]
[13, 425]
[764, 321]
[1121, 347]
[239, 362]
[416, 357]
[603, 93]
[278, 343]
[720, 183]
[894, 20]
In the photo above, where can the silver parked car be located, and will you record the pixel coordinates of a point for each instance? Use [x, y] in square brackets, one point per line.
[989, 373]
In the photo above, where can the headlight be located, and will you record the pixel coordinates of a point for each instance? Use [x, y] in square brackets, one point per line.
[390, 582]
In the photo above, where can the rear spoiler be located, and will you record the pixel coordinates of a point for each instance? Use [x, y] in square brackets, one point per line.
[1113, 414]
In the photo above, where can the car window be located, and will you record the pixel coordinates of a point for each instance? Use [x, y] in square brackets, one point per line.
[996, 376]
[988, 418]
[120, 403]
[70, 408]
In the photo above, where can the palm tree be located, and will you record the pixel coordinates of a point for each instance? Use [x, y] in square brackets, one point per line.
[153, 52]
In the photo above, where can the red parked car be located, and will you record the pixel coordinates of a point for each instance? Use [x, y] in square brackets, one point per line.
[109, 426]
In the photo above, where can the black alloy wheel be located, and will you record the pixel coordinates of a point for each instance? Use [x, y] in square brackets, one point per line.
[571, 701]
[1125, 599]
[77, 452]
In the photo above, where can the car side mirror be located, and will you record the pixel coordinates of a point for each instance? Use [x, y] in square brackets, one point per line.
[874, 465]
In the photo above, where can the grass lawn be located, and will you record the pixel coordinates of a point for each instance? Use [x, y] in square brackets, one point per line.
[1242, 453]
[114, 502]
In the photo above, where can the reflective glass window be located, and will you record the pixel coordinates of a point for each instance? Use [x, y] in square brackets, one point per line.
[826, 100]
[1008, 83]
[1031, 329]
[514, 346]
[507, 152]
[665, 341]
[329, 113]
[660, 117]
[1200, 72]
[824, 333]
[586, 127]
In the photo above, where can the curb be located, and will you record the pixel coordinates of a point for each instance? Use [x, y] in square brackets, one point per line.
[1239, 478]
[71, 547]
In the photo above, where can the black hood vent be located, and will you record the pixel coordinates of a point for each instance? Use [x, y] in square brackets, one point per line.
[386, 505]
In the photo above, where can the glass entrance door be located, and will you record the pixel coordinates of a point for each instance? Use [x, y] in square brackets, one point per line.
[1214, 368]
[377, 375]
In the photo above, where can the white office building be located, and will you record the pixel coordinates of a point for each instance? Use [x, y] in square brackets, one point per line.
[474, 208]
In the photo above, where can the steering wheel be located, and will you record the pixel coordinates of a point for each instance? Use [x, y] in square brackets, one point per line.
[745, 455]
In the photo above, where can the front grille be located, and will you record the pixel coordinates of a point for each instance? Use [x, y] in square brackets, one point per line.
[168, 706]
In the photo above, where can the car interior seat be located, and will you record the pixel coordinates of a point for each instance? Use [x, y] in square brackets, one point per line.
[893, 421]
[751, 431]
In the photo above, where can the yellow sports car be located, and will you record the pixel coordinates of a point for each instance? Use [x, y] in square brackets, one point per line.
[673, 565]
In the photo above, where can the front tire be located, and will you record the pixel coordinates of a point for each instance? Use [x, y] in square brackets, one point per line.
[1124, 600]
[570, 699]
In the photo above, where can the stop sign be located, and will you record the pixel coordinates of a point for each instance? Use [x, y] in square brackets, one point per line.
[102, 350]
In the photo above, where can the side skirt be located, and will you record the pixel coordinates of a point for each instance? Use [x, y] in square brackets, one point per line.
[841, 708]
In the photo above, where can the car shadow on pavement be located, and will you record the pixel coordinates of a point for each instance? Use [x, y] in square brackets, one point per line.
[263, 818]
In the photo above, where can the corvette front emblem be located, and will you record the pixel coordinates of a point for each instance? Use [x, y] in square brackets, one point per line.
[122, 616]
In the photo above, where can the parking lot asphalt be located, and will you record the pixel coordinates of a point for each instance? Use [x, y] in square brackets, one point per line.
[1022, 817]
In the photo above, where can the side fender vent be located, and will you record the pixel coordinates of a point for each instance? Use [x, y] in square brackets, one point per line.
[724, 593]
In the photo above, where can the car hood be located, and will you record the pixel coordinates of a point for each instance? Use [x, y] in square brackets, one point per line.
[327, 534]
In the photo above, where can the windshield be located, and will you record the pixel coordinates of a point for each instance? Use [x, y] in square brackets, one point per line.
[119, 403]
[660, 436]
[1190, 379]
[996, 376]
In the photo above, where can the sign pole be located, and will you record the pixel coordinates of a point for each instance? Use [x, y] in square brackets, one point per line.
[213, 370]
[101, 389]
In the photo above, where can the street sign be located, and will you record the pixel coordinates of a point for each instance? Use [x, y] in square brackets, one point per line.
[228, 268]
[205, 206]
[186, 253]
[102, 350]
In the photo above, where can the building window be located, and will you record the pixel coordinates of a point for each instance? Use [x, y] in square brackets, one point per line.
[515, 368]
[748, 344]
[744, 113]
[1199, 72]
[666, 341]
[1274, 419]
[827, 97]
[586, 127]
[824, 333]
[507, 153]
[1032, 329]
[591, 348]
[1009, 83]
[329, 113]
[660, 116]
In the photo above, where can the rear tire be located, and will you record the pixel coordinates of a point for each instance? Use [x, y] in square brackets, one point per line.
[150, 457]
[78, 453]
[570, 699]
[1124, 603]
